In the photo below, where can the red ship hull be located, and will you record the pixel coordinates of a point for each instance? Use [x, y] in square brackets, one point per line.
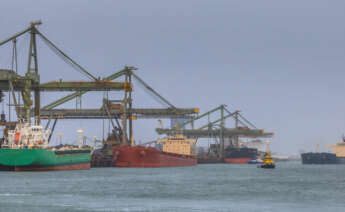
[83, 166]
[237, 160]
[140, 156]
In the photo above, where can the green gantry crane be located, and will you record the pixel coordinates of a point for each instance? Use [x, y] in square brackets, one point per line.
[217, 129]
[12, 82]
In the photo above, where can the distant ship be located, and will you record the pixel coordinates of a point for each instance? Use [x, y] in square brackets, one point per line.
[176, 151]
[319, 158]
[25, 148]
[241, 155]
[338, 157]
[245, 152]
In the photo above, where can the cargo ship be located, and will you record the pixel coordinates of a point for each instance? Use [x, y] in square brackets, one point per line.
[174, 151]
[339, 150]
[25, 148]
[319, 158]
[241, 155]
[233, 153]
[338, 157]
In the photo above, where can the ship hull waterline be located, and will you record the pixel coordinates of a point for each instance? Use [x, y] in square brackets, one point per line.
[240, 155]
[43, 160]
[237, 160]
[322, 158]
[149, 157]
[319, 158]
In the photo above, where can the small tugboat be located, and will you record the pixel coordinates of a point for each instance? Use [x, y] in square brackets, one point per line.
[268, 160]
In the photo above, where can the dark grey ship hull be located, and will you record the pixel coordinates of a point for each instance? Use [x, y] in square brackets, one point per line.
[320, 158]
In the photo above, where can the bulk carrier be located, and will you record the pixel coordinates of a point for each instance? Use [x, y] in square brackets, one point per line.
[319, 158]
[234, 153]
[241, 155]
[175, 151]
[241, 152]
[338, 157]
[25, 148]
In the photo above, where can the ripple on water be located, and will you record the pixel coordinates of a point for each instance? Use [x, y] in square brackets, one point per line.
[219, 187]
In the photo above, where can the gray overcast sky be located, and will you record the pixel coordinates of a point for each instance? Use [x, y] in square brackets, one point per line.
[280, 62]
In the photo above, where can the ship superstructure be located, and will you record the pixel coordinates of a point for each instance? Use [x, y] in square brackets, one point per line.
[339, 150]
[178, 144]
[26, 135]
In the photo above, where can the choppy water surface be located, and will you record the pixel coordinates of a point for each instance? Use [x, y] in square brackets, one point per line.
[290, 187]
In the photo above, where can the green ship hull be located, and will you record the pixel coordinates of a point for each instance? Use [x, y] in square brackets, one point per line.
[44, 159]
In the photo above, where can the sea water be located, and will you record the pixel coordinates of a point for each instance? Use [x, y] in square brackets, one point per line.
[217, 187]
